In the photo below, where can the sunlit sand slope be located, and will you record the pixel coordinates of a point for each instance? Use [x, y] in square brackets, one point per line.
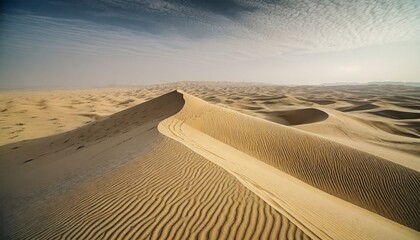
[119, 178]
[365, 180]
[178, 167]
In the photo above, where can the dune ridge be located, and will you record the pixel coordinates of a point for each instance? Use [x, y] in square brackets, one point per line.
[368, 181]
[179, 167]
[155, 194]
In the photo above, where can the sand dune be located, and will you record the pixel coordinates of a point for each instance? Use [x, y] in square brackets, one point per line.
[28, 115]
[249, 162]
[397, 114]
[296, 116]
[153, 193]
[359, 107]
[363, 179]
[169, 199]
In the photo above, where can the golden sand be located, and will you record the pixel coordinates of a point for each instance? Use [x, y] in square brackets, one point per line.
[211, 161]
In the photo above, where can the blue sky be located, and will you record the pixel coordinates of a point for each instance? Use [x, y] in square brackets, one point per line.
[92, 43]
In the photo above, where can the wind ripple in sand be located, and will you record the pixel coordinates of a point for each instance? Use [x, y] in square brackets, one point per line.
[168, 192]
[368, 181]
[166, 196]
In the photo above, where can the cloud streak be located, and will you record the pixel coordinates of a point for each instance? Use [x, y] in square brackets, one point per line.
[309, 24]
[199, 32]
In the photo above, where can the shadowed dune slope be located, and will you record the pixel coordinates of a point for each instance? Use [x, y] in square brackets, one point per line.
[111, 130]
[296, 116]
[368, 181]
[318, 101]
[119, 178]
[397, 114]
[360, 107]
[163, 196]
[407, 129]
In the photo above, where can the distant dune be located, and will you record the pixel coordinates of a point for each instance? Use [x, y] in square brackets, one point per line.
[211, 161]
[296, 116]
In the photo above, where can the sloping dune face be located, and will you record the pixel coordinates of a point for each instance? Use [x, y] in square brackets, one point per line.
[177, 167]
[296, 116]
[119, 178]
[365, 180]
[397, 114]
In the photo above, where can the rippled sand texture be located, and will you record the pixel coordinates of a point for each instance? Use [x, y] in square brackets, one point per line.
[212, 161]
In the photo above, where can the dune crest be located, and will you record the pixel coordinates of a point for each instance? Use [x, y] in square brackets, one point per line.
[334, 168]
[177, 167]
[153, 187]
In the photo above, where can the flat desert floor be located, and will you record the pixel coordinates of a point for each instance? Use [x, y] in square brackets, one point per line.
[211, 161]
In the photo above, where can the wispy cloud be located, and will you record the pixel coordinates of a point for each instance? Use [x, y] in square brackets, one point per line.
[203, 32]
[306, 24]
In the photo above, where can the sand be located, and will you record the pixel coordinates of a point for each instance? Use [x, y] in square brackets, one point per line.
[211, 161]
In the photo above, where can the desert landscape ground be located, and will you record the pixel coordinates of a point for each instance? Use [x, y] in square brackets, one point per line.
[195, 160]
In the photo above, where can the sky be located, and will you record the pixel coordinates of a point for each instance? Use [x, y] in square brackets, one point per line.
[96, 43]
